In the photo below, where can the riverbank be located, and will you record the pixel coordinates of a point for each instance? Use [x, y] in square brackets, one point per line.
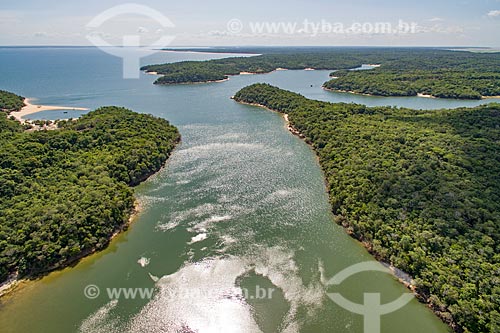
[30, 108]
[104, 226]
[211, 81]
[279, 69]
[401, 276]
[14, 281]
[351, 92]
[289, 126]
[418, 95]
[425, 96]
[186, 83]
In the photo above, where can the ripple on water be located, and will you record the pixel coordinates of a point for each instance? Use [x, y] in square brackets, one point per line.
[206, 297]
[227, 180]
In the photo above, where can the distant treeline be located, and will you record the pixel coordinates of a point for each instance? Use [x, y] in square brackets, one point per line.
[443, 83]
[420, 188]
[220, 69]
[404, 72]
[63, 193]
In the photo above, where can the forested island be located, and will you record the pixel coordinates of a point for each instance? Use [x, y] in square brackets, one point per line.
[64, 193]
[419, 188]
[403, 72]
[442, 83]
[221, 69]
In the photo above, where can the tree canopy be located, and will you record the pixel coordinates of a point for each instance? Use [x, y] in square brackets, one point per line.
[461, 84]
[403, 71]
[63, 193]
[10, 102]
[419, 188]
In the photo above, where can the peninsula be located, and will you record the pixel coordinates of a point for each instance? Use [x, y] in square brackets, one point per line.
[418, 188]
[65, 193]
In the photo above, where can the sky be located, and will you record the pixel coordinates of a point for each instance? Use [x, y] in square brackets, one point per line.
[255, 22]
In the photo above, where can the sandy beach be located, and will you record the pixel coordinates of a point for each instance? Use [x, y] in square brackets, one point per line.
[33, 108]
[425, 96]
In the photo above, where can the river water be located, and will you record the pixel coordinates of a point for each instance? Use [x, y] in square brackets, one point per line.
[235, 234]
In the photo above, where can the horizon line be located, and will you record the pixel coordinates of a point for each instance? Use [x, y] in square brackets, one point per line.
[260, 46]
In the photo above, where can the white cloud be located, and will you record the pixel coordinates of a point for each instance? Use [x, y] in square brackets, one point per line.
[441, 29]
[8, 17]
[41, 34]
[436, 19]
[494, 13]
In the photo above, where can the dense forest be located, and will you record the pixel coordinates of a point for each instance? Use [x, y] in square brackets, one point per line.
[63, 193]
[10, 102]
[213, 70]
[443, 83]
[404, 72]
[420, 188]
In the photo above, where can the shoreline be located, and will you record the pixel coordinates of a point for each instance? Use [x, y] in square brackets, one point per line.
[418, 95]
[189, 83]
[9, 286]
[425, 96]
[183, 83]
[405, 279]
[29, 109]
[279, 69]
[354, 93]
[289, 126]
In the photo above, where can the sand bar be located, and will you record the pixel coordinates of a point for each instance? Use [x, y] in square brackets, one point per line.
[33, 108]
[425, 95]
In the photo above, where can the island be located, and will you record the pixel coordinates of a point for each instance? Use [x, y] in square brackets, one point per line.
[419, 188]
[398, 71]
[441, 83]
[64, 193]
[221, 69]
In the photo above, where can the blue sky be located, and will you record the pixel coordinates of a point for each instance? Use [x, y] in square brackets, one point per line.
[199, 23]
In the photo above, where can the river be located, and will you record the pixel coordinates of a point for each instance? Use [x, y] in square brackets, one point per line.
[240, 208]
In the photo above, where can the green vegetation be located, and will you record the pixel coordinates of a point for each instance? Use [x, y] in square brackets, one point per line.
[213, 70]
[404, 72]
[419, 188]
[63, 193]
[444, 83]
[10, 102]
